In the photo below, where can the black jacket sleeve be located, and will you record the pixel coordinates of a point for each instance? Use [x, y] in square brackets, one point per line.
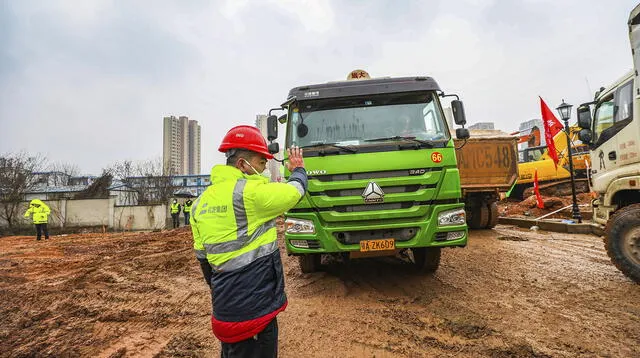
[206, 270]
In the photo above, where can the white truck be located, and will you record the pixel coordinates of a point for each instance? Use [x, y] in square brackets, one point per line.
[611, 126]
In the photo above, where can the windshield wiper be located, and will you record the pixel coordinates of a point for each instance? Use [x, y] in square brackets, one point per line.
[398, 137]
[334, 145]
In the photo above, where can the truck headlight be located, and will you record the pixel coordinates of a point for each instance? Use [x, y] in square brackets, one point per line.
[452, 217]
[299, 226]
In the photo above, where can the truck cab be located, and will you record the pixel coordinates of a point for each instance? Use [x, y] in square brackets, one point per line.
[614, 136]
[382, 171]
[611, 126]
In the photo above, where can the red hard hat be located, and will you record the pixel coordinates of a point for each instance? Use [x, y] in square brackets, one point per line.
[245, 137]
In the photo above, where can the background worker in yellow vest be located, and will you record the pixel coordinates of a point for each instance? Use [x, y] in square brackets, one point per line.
[40, 212]
[235, 241]
[175, 213]
[186, 209]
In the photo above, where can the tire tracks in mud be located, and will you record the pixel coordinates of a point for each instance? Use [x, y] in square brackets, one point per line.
[535, 298]
[408, 314]
[141, 294]
[128, 295]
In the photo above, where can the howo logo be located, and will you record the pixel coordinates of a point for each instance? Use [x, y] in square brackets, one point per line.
[373, 194]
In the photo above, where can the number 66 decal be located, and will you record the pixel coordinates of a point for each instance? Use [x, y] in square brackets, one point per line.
[436, 157]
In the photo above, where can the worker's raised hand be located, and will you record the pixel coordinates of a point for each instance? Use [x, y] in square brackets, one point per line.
[295, 158]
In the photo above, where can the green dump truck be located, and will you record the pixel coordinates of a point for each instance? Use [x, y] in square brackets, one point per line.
[383, 175]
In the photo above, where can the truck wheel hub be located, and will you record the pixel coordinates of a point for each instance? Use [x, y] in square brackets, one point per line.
[631, 245]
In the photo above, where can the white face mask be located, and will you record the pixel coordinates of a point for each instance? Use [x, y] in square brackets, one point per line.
[265, 173]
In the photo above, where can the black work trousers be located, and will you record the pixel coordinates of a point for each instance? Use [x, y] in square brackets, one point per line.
[40, 228]
[264, 345]
[176, 220]
[186, 219]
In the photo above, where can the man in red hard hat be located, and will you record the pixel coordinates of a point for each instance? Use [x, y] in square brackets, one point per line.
[234, 233]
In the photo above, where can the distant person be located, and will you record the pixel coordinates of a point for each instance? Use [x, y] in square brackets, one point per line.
[175, 213]
[40, 212]
[235, 240]
[186, 209]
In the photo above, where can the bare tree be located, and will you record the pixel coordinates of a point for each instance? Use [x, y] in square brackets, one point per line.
[145, 179]
[16, 179]
[99, 189]
[123, 173]
[62, 172]
[162, 185]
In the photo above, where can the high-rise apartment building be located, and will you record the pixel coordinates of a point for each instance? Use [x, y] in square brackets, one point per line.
[180, 146]
[194, 148]
[261, 123]
[272, 165]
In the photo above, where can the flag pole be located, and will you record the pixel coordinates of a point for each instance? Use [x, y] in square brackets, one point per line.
[565, 113]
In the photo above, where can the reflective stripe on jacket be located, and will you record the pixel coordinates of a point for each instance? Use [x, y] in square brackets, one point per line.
[39, 210]
[187, 206]
[175, 208]
[233, 225]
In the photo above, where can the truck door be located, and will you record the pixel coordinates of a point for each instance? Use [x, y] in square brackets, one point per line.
[612, 114]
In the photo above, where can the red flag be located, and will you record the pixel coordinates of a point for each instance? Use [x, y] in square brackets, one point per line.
[536, 190]
[551, 127]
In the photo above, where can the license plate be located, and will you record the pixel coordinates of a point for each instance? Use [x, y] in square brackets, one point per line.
[377, 245]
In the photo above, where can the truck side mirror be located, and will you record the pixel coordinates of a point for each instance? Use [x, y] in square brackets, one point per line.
[272, 128]
[585, 136]
[584, 117]
[273, 148]
[302, 130]
[462, 133]
[458, 112]
[283, 118]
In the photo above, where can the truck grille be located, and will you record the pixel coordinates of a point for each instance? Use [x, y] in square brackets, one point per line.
[386, 189]
[373, 207]
[354, 237]
[441, 236]
[372, 175]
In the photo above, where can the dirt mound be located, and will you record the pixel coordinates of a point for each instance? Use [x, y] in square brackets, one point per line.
[528, 207]
[509, 294]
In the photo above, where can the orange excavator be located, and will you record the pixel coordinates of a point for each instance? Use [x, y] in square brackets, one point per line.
[552, 181]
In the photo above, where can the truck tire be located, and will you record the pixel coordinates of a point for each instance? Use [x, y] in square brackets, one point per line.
[426, 259]
[492, 207]
[479, 217]
[309, 263]
[622, 240]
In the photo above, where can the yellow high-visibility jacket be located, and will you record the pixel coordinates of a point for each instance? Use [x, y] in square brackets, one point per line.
[236, 215]
[234, 230]
[186, 207]
[39, 210]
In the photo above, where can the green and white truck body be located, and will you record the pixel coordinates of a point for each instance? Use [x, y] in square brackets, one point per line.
[611, 126]
[382, 169]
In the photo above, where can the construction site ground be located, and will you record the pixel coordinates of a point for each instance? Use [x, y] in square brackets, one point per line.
[510, 293]
[528, 208]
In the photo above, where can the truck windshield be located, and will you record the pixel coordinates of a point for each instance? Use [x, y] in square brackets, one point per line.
[531, 154]
[613, 113]
[358, 120]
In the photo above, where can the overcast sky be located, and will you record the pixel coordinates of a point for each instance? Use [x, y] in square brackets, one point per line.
[88, 82]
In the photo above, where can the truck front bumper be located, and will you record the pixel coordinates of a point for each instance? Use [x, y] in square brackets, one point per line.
[338, 237]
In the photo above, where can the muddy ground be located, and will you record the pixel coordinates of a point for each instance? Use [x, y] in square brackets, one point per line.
[510, 293]
[528, 209]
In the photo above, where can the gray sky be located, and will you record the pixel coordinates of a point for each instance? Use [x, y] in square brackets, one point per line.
[88, 82]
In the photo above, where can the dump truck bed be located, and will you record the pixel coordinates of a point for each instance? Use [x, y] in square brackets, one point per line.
[488, 161]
